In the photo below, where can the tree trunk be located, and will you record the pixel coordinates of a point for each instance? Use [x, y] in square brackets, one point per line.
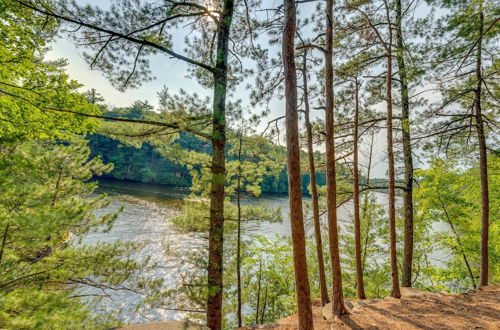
[238, 239]
[56, 188]
[264, 305]
[314, 190]
[407, 153]
[258, 294]
[4, 239]
[483, 160]
[357, 226]
[216, 232]
[366, 201]
[338, 307]
[392, 190]
[294, 184]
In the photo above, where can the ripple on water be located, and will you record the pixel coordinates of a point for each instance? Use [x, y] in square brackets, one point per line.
[146, 218]
[147, 222]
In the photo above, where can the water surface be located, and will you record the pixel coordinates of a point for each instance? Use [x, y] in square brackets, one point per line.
[146, 217]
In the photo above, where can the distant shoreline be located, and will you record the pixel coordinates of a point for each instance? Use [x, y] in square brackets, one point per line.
[112, 179]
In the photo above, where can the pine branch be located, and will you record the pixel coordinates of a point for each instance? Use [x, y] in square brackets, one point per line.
[119, 119]
[119, 35]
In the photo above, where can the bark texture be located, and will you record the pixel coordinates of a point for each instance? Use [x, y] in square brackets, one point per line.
[238, 238]
[216, 231]
[360, 287]
[338, 307]
[483, 160]
[294, 184]
[406, 278]
[392, 189]
[366, 218]
[314, 190]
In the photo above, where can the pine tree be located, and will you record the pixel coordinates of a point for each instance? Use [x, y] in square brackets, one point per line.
[313, 186]
[294, 184]
[466, 74]
[124, 36]
[46, 205]
[338, 307]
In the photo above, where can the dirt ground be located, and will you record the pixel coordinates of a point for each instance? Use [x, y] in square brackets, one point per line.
[174, 325]
[415, 310]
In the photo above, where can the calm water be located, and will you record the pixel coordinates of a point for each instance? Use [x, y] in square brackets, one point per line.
[146, 215]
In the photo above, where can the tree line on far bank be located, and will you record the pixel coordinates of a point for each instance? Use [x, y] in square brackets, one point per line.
[143, 163]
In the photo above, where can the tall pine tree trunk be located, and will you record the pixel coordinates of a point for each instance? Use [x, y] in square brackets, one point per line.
[238, 238]
[314, 190]
[338, 306]
[366, 218]
[483, 160]
[407, 153]
[294, 175]
[392, 189]
[360, 287]
[218, 168]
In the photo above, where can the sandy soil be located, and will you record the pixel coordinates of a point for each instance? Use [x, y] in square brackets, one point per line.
[415, 310]
[179, 325]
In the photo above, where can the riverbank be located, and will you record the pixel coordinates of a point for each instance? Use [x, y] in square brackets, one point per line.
[479, 309]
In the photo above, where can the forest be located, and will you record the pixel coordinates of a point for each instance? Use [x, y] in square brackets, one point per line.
[375, 121]
[146, 164]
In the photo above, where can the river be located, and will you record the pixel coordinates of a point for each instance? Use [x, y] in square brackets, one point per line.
[145, 217]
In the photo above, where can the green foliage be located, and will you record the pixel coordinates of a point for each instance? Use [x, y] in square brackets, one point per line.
[45, 205]
[143, 164]
[46, 199]
[35, 95]
[48, 279]
[269, 264]
[149, 154]
[439, 262]
[464, 36]
[249, 159]
[374, 253]
[448, 203]
[195, 215]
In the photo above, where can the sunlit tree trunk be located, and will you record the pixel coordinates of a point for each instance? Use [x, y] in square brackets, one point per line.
[238, 238]
[216, 232]
[258, 294]
[407, 153]
[365, 217]
[338, 306]
[294, 175]
[483, 158]
[360, 287]
[314, 190]
[392, 189]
